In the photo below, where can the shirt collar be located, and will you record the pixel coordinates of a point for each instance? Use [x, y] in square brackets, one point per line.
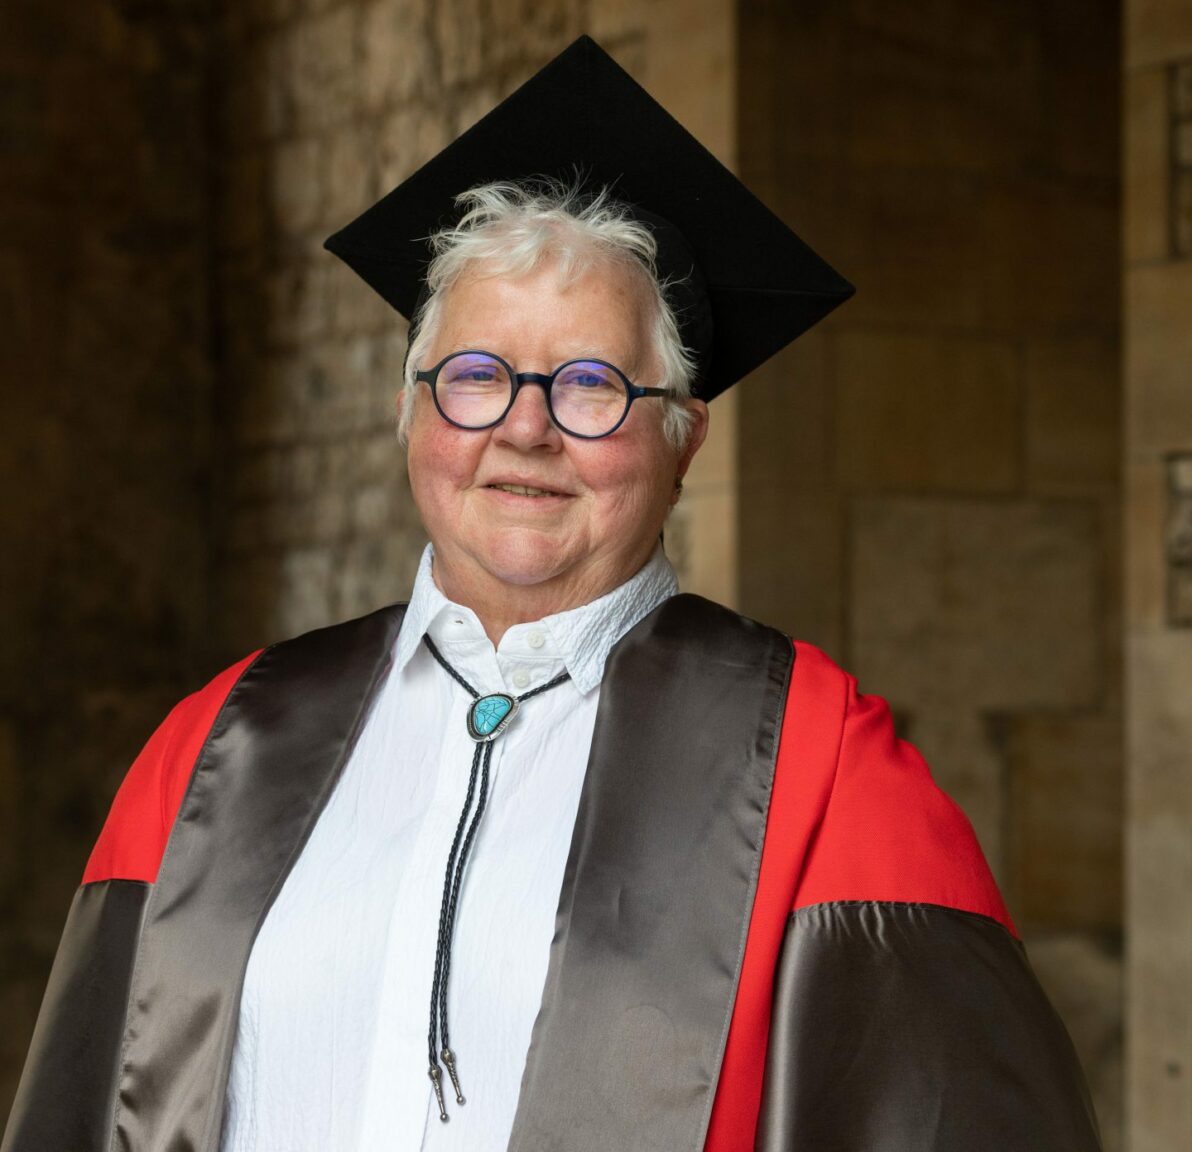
[583, 636]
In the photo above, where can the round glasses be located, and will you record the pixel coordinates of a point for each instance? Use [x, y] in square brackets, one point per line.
[585, 398]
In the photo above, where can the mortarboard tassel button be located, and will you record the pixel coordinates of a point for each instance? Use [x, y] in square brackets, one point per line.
[436, 1076]
[449, 1060]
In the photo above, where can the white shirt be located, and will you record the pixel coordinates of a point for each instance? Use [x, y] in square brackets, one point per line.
[331, 1048]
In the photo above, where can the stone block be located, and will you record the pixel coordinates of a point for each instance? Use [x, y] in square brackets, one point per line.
[472, 106]
[1071, 76]
[265, 13]
[275, 65]
[1158, 350]
[394, 55]
[406, 139]
[522, 35]
[350, 173]
[1146, 178]
[380, 456]
[370, 509]
[1156, 32]
[976, 34]
[1073, 415]
[615, 20]
[243, 204]
[296, 184]
[304, 598]
[459, 32]
[377, 569]
[353, 307]
[1145, 526]
[966, 761]
[1083, 976]
[992, 606]
[791, 561]
[715, 465]
[690, 67]
[1159, 732]
[300, 302]
[920, 413]
[1182, 208]
[709, 554]
[325, 78]
[917, 245]
[791, 59]
[951, 90]
[785, 414]
[1159, 982]
[1051, 258]
[1066, 794]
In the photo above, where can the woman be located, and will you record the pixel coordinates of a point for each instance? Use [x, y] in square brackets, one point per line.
[550, 858]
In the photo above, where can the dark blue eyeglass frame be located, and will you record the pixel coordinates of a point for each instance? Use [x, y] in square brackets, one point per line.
[520, 379]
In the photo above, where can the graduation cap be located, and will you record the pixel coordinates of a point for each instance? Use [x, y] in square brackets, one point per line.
[746, 284]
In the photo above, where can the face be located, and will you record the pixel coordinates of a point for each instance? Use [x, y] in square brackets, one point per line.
[596, 506]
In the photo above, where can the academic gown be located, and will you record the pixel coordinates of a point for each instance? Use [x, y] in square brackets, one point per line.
[773, 932]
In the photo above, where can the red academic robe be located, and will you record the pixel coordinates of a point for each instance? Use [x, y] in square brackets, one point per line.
[774, 931]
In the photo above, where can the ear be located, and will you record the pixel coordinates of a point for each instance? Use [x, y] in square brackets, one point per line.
[697, 435]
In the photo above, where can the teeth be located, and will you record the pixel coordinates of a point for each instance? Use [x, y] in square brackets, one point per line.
[522, 489]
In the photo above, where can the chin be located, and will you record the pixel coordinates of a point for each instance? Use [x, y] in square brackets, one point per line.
[524, 562]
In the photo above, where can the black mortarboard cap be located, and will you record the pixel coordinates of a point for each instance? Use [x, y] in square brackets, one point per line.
[755, 285]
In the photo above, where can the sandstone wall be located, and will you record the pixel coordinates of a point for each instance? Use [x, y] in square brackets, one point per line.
[1157, 330]
[929, 482]
[104, 237]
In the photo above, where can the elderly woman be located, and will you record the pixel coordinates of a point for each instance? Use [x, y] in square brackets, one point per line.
[551, 857]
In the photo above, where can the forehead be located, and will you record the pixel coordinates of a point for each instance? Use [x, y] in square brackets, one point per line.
[602, 310]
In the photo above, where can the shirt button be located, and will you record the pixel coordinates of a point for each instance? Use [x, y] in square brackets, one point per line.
[521, 678]
[535, 639]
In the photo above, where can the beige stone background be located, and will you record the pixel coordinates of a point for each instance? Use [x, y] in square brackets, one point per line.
[970, 485]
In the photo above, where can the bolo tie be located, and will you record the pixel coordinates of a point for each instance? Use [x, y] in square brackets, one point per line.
[488, 717]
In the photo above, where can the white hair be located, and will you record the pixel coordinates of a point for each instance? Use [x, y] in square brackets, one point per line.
[512, 227]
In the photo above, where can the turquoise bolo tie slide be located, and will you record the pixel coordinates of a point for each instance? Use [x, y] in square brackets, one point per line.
[490, 715]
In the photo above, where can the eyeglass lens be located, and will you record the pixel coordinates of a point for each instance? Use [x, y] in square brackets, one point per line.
[586, 397]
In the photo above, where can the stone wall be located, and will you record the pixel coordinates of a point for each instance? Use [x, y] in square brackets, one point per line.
[104, 231]
[929, 482]
[1157, 330]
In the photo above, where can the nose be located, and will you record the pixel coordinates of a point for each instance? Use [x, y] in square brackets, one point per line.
[527, 424]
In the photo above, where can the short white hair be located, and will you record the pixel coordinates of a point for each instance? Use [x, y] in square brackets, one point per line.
[512, 227]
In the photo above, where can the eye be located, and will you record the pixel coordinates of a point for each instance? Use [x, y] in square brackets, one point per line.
[586, 376]
[472, 371]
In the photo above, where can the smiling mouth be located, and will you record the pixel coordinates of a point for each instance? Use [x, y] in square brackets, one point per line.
[523, 490]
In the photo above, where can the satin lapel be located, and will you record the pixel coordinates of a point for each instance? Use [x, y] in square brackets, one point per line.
[264, 775]
[659, 886]
[915, 1028]
[65, 1097]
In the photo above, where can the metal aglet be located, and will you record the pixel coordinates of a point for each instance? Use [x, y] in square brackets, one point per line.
[449, 1060]
[436, 1077]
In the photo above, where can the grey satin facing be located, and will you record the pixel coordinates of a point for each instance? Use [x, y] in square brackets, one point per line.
[66, 1096]
[882, 1040]
[658, 888]
[261, 781]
